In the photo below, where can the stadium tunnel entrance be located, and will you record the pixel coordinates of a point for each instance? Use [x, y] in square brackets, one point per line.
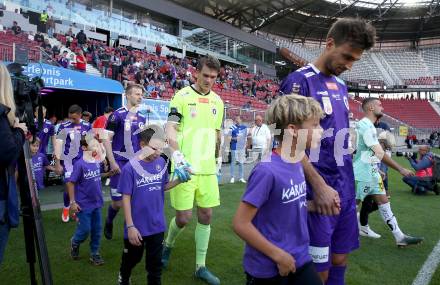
[58, 101]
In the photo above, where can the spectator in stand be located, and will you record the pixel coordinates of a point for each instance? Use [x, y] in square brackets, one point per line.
[39, 38]
[64, 60]
[115, 63]
[81, 61]
[254, 89]
[158, 49]
[16, 28]
[82, 38]
[139, 76]
[50, 26]
[55, 50]
[69, 37]
[150, 88]
[247, 106]
[95, 58]
[43, 21]
[161, 89]
[46, 44]
[105, 60]
[125, 77]
[101, 121]
[86, 116]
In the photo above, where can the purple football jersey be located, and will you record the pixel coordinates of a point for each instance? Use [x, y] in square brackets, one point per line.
[278, 189]
[71, 133]
[39, 162]
[46, 132]
[87, 179]
[147, 194]
[125, 126]
[334, 163]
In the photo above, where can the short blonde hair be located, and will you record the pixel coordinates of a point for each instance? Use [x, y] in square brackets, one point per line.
[292, 109]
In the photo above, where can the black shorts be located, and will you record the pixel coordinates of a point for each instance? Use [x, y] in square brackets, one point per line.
[306, 274]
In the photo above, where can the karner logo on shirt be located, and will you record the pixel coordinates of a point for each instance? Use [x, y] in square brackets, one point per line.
[147, 180]
[294, 192]
[92, 174]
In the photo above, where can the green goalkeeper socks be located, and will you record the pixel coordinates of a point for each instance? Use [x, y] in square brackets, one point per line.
[202, 234]
[173, 232]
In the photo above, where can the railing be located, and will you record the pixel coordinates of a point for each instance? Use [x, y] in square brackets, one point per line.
[8, 52]
[247, 116]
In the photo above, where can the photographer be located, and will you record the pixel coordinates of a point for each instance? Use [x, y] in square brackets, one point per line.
[423, 167]
[13, 136]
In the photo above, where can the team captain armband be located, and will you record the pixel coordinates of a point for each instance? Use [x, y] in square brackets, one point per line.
[174, 116]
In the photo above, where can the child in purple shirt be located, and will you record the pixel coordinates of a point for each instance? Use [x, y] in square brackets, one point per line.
[85, 193]
[142, 184]
[40, 164]
[272, 216]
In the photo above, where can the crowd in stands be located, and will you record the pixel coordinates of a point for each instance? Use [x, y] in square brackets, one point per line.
[162, 75]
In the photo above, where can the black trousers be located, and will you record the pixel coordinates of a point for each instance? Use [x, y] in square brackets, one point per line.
[305, 275]
[132, 255]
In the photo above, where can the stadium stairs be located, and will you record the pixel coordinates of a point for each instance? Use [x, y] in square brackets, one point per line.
[90, 69]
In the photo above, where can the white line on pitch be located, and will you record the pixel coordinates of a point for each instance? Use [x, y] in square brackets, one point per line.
[428, 269]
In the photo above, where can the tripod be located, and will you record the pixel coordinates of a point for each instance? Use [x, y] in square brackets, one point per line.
[32, 220]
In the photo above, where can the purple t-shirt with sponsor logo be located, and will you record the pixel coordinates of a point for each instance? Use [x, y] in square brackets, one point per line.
[72, 133]
[125, 126]
[87, 179]
[278, 190]
[39, 162]
[335, 163]
[46, 132]
[145, 182]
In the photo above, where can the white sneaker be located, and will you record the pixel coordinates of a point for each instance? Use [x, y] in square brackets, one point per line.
[242, 180]
[366, 231]
[232, 180]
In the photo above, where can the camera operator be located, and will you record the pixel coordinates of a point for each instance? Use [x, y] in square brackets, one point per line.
[12, 134]
[423, 167]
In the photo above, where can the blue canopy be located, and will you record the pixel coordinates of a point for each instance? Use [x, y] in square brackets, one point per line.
[59, 77]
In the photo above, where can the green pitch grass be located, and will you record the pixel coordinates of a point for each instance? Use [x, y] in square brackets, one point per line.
[376, 262]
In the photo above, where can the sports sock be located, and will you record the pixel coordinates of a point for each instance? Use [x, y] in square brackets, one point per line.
[111, 214]
[173, 232]
[66, 200]
[368, 206]
[389, 219]
[336, 275]
[202, 234]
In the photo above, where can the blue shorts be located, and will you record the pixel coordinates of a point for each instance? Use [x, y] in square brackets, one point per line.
[333, 234]
[114, 181]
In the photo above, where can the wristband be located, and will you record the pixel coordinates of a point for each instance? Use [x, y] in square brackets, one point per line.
[73, 202]
[130, 226]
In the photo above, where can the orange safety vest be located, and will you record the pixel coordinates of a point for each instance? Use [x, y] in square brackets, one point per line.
[427, 172]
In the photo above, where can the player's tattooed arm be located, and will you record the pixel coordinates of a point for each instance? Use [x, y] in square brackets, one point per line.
[218, 143]
[326, 199]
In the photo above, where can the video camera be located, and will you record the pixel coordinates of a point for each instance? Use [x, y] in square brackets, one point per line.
[407, 154]
[26, 96]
